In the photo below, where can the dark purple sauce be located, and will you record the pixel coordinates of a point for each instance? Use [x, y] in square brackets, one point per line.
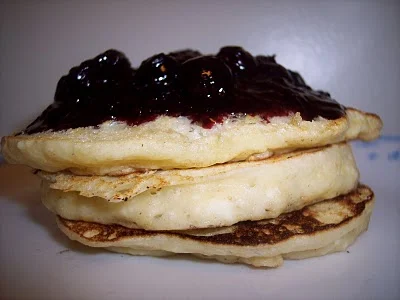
[206, 89]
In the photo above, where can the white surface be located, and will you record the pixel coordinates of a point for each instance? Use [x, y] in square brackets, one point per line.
[348, 48]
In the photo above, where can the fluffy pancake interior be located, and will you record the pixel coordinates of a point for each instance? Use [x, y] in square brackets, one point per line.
[214, 197]
[122, 188]
[169, 142]
[319, 229]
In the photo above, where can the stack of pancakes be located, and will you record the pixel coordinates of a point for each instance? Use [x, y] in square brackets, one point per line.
[245, 190]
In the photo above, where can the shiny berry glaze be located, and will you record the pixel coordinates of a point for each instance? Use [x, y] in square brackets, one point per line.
[206, 89]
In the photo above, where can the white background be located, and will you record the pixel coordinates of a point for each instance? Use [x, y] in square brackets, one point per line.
[349, 48]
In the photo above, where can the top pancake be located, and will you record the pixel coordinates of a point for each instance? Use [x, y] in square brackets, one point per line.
[115, 148]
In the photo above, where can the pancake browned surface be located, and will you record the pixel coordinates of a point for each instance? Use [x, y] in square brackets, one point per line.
[322, 228]
[207, 197]
[337, 161]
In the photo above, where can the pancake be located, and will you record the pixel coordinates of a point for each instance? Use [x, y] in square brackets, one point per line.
[209, 197]
[337, 159]
[316, 230]
[115, 148]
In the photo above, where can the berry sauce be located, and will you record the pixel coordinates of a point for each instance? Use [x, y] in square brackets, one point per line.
[204, 88]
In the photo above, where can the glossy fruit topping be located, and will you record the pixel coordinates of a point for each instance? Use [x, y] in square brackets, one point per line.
[241, 62]
[204, 88]
[183, 55]
[208, 82]
[156, 79]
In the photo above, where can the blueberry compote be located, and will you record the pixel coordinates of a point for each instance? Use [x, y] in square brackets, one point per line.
[205, 88]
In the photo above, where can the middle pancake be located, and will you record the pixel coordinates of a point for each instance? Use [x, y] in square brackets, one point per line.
[221, 195]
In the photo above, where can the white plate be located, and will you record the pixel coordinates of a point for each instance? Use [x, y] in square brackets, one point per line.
[37, 261]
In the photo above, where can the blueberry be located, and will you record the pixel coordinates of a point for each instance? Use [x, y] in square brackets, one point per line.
[85, 73]
[111, 65]
[75, 87]
[65, 91]
[261, 59]
[241, 62]
[274, 71]
[95, 80]
[112, 58]
[297, 79]
[157, 75]
[183, 55]
[208, 82]
[269, 69]
[323, 94]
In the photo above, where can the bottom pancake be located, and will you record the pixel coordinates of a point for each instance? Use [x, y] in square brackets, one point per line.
[326, 227]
